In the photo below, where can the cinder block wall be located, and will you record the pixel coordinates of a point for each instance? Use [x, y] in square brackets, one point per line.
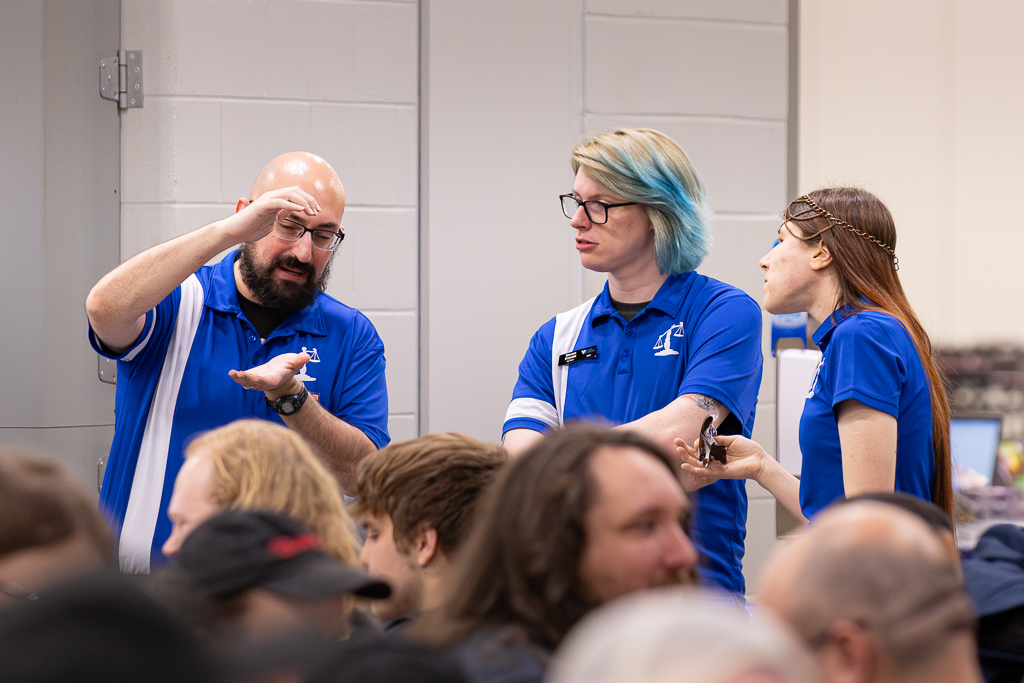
[451, 126]
[714, 76]
[231, 83]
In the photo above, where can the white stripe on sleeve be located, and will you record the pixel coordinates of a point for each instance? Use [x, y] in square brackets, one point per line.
[148, 483]
[533, 408]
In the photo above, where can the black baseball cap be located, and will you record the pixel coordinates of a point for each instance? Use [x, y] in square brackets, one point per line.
[243, 549]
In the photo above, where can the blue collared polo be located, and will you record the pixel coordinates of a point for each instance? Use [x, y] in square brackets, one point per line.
[697, 336]
[868, 357]
[173, 384]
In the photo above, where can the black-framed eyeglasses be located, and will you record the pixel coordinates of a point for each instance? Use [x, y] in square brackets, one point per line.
[597, 212]
[325, 240]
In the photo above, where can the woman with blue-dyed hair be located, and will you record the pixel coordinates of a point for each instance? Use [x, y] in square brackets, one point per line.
[650, 169]
[660, 349]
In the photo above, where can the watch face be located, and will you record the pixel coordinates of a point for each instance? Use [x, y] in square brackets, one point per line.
[288, 405]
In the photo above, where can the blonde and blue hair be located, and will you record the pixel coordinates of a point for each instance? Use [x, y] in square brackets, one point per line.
[648, 167]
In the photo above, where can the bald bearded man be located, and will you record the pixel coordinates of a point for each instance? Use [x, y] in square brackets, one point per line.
[251, 336]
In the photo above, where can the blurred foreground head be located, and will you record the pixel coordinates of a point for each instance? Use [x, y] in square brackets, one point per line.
[871, 590]
[49, 527]
[259, 465]
[677, 634]
[263, 574]
[97, 627]
[587, 515]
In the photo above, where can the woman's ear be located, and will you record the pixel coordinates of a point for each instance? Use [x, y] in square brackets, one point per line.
[821, 259]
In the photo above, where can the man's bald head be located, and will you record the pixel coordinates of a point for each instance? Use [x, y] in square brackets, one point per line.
[872, 565]
[308, 172]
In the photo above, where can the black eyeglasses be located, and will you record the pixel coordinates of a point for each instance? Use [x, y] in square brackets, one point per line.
[597, 212]
[325, 240]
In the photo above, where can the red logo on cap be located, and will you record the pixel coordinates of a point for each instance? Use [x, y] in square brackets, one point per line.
[286, 547]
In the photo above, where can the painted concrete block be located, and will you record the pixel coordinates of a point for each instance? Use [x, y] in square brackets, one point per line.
[147, 151]
[378, 265]
[374, 149]
[198, 147]
[400, 333]
[146, 225]
[402, 427]
[348, 52]
[221, 46]
[149, 26]
[761, 539]
[755, 11]
[739, 243]
[657, 66]
[253, 133]
[741, 162]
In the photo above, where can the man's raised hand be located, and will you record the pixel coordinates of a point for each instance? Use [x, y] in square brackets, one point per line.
[254, 220]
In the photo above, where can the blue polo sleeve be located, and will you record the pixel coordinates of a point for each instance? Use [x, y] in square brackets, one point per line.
[725, 355]
[152, 341]
[866, 365]
[533, 399]
[363, 399]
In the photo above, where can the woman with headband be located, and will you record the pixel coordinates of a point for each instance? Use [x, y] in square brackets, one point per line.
[877, 416]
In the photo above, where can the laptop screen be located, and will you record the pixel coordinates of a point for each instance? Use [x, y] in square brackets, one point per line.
[974, 445]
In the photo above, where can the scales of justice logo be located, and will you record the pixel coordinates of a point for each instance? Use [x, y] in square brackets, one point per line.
[663, 346]
[314, 357]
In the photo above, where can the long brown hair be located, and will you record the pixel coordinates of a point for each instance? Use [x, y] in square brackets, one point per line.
[860, 235]
[518, 571]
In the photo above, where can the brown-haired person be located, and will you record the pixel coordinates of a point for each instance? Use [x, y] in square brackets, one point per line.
[257, 465]
[418, 499]
[877, 416]
[584, 516]
[49, 528]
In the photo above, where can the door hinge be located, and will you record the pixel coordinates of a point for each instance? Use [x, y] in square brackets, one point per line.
[121, 78]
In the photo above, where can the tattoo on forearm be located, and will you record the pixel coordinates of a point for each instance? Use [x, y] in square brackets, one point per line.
[706, 402]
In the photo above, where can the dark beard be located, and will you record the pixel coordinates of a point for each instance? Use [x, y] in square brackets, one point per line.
[288, 297]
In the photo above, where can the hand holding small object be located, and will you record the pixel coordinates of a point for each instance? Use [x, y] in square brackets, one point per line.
[707, 447]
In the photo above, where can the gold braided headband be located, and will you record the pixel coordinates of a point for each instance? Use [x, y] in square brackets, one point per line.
[837, 221]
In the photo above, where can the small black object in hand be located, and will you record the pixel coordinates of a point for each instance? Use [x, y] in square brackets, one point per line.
[707, 447]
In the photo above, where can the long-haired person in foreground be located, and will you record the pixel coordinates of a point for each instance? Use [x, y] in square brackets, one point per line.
[258, 465]
[585, 516]
[877, 416]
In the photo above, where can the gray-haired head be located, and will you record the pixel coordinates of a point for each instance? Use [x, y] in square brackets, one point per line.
[658, 635]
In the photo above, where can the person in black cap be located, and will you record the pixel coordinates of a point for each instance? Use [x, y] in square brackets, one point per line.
[262, 574]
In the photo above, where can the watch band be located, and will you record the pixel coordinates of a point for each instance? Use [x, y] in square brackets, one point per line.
[289, 405]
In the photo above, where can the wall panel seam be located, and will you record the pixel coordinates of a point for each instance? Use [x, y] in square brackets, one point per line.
[713, 23]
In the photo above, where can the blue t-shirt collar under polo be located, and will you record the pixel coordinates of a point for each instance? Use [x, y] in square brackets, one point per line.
[223, 297]
[669, 299]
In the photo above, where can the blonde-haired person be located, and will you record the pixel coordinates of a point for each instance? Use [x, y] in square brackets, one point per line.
[257, 465]
[662, 346]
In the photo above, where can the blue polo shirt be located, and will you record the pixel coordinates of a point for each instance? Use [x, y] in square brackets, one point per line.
[698, 335]
[173, 384]
[869, 357]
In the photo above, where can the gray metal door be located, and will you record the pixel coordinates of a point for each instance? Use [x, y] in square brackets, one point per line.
[60, 225]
